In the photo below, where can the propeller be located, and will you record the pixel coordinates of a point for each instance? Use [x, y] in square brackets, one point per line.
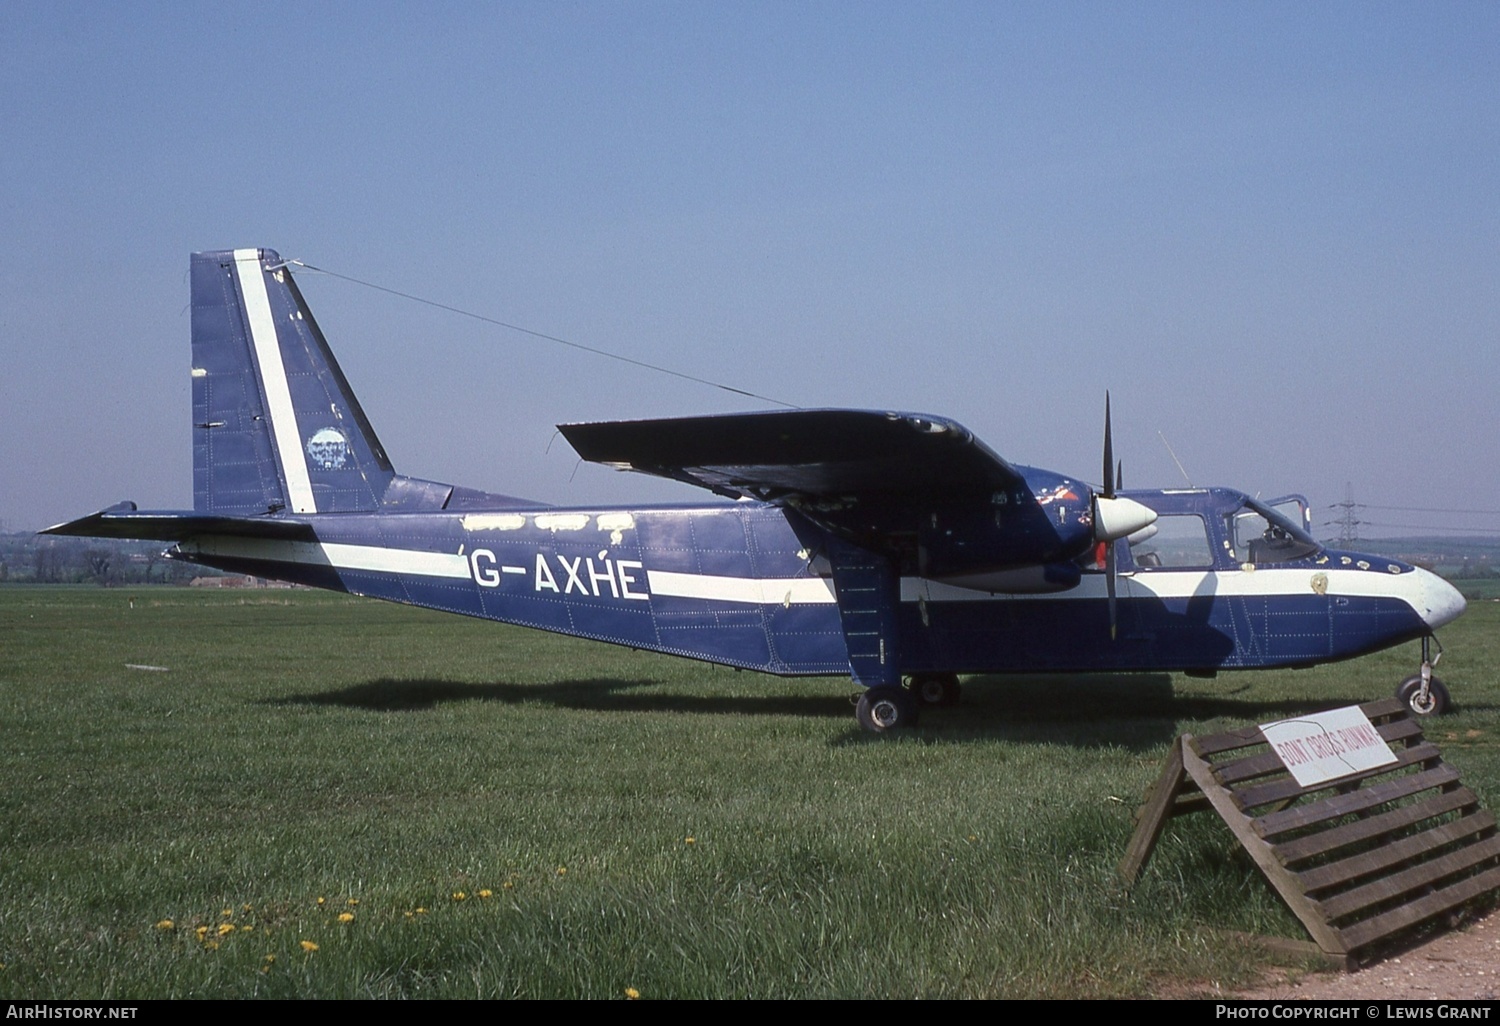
[1109, 493]
[1115, 517]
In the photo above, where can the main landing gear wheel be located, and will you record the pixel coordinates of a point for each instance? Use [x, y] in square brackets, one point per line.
[886, 708]
[935, 690]
[1435, 703]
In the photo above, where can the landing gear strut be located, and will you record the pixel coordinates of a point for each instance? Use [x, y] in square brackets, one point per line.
[935, 690]
[1423, 693]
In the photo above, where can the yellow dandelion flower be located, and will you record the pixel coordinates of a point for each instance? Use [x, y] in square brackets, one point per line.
[346, 917]
[562, 870]
[410, 914]
[246, 907]
[690, 840]
[166, 924]
[631, 994]
[352, 902]
[309, 947]
[202, 932]
[321, 899]
[509, 885]
[486, 893]
[459, 895]
[421, 911]
[225, 928]
[211, 945]
[247, 928]
[227, 913]
[270, 959]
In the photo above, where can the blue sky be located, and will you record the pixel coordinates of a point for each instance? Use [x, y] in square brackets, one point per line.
[1272, 231]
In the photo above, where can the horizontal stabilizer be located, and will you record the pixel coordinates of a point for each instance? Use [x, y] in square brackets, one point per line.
[124, 521]
[800, 452]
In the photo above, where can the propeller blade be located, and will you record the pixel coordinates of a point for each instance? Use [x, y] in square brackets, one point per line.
[1109, 584]
[1114, 515]
[1109, 453]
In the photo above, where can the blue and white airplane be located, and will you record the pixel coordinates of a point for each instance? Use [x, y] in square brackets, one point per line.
[896, 548]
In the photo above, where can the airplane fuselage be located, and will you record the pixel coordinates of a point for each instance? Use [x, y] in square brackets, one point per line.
[748, 585]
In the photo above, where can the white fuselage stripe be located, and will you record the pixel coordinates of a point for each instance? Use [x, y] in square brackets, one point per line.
[1176, 584]
[396, 561]
[273, 379]
[371, 558]
[803, 591]
[765, 591]
[1275, 581]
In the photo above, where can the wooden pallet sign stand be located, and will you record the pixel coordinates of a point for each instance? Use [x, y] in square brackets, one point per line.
[1360, 858]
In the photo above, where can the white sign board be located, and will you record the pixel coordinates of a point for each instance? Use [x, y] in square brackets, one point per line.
[1328, 745]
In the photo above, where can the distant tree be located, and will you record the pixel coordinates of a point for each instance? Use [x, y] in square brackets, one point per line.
[98, 562]
[45, 564]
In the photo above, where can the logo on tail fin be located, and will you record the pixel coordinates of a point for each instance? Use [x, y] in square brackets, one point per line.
[328, 449]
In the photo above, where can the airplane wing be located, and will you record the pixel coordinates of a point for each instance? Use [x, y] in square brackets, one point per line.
[124, 521]
[809, 454]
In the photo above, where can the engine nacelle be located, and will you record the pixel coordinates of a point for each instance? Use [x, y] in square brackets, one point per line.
[1047, 520]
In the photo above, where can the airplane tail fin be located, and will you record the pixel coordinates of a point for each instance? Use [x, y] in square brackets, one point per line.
[275, 424]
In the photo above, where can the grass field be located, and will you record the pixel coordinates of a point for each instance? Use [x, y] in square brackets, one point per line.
[313, 796]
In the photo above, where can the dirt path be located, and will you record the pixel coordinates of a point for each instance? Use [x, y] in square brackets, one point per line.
[1462, 965]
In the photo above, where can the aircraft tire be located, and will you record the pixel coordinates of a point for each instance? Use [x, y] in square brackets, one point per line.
[1437, 702]
[936, 690]
[885, 708]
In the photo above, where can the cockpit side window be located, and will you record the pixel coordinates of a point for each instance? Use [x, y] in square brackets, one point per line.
[1246, 528]
[1263, 536]
[1177, 541]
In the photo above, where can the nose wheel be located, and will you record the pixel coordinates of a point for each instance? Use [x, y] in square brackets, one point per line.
[1423, 693]
[1432, 700]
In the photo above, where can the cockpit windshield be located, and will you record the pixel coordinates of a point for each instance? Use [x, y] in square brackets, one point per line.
[1259, 534]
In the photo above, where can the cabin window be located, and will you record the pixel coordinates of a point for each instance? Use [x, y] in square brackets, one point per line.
[1179, 540]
